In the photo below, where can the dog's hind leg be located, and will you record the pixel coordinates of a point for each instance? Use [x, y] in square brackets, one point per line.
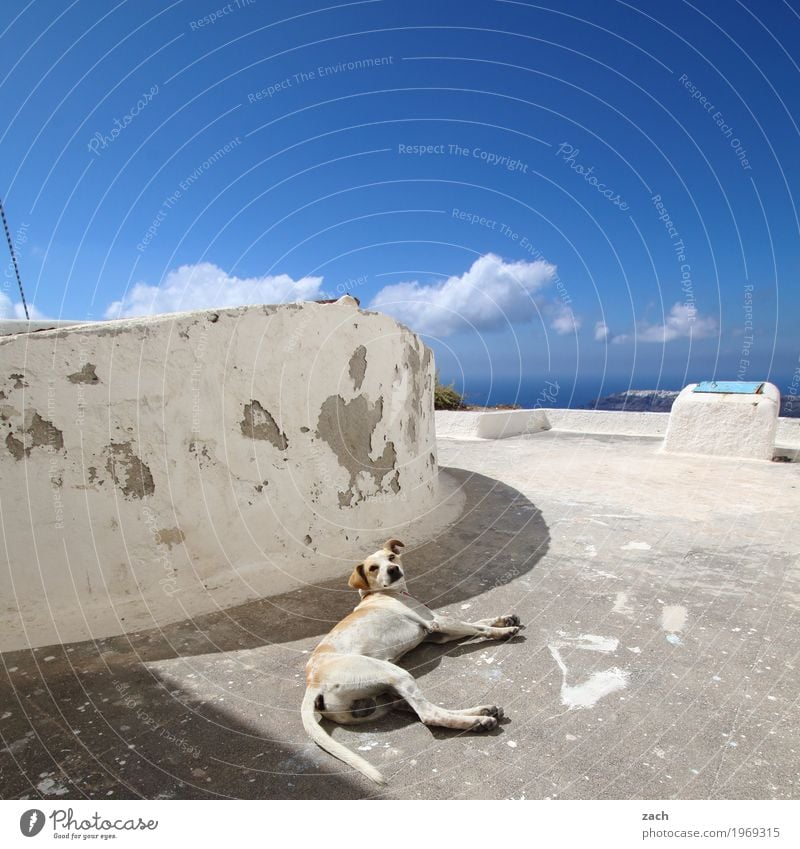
[477, 710]
[353, 682]
[481, 710]
[510, 620]
[406, 686]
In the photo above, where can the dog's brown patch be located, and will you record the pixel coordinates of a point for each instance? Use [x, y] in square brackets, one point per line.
[358, 580]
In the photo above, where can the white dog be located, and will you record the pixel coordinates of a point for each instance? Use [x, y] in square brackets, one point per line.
[351, 677]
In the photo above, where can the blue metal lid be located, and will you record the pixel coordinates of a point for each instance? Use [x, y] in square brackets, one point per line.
[738, 387]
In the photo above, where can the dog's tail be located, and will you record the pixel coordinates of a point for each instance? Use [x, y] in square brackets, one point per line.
[318, 734]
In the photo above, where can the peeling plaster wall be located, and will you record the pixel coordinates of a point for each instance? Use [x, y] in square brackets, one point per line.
[157, 468]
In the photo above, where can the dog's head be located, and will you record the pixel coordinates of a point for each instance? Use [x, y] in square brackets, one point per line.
[381, 570]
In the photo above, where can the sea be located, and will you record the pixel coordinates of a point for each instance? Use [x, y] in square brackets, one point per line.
[566, 391]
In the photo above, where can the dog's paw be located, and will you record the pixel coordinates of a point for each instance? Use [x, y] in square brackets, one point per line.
[510, 620]
[503, 633]
[493, 710]
[484, 723]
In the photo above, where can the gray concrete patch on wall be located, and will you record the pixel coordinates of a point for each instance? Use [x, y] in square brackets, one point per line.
[259, 424]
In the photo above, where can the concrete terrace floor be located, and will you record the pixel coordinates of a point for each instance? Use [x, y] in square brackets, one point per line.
[659, 660]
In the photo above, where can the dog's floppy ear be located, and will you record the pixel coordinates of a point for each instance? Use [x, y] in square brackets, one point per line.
[393, 545]
[358, 580]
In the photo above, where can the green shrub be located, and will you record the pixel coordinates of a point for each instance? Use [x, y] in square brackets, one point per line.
[446, 398]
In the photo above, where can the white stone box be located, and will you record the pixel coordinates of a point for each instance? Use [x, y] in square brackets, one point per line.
[724, 424]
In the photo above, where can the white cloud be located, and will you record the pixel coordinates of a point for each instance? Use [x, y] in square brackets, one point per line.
[490, 294]
[601, 331]
[682, 321]
[9, 309]
[205, 285]
[563, 320]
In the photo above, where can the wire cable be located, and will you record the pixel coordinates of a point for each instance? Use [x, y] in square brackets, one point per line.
[14, 259]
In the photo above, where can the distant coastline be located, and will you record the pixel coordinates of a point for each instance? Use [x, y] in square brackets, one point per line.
[661, 400]
[632, 400]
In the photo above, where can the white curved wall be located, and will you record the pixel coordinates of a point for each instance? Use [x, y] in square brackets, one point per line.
[157, 468]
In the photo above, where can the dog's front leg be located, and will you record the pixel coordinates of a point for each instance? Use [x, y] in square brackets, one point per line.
[443, 629]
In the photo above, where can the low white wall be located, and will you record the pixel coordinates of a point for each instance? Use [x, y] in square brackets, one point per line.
[494, 424]
[456, 424]
[157, 468]
[502, 423]
[464, 424]
[619, 422]
[467, 424]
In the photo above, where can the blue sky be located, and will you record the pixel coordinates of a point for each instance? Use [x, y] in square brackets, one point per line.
[598, 192]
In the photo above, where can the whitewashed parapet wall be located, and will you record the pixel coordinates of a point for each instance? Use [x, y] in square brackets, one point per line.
[157, 468]
[462, 424]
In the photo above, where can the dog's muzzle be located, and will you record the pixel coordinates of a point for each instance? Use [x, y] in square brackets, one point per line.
[394, 573]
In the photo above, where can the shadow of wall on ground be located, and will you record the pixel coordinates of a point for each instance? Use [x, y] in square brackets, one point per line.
[118, 732]
[105, 690]
[500, 536]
